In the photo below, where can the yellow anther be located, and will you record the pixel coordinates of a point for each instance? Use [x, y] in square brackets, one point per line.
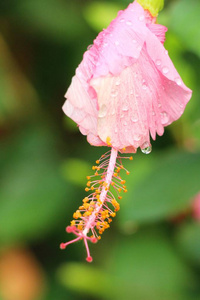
[119, 190]
[97, 161]
[115, 174]
[98, 191]
[86, 205]
[113, 214]
[125, 190]
[99, 237]
[87, 214]
[80, 227]
[109, 220]
[87, 189]
[124, 149]
[118, 169]
[86, 199]
[131, 157]
[108, 141]
[112, 183]
[73, 223]
[123, 181]
[127, 172]
[88, 183]
[81, 207]
[88, 177]
[96, 173]
[92, 188]
[77, 215]
[120, 197]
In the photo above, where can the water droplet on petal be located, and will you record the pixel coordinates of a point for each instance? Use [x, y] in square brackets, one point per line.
[166, 52]
[122, 20]
[134, 41]
[165, 70]
[116, 130]
[117, 43]
[121, 116]
[117, 82]
[125, 123]
[144, 86]
[125, 107]
[114, 93]
[158, 62]
[102, 111]
[164, 118]
[134, 119]
[141, 18]
[146, 148]
[137, 138]
[178, 81]
[89, 47]
[129, 23]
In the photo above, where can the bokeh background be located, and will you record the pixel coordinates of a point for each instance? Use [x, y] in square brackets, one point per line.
[152, 251]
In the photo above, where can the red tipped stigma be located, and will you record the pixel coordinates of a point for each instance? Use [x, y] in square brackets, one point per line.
[97, 210]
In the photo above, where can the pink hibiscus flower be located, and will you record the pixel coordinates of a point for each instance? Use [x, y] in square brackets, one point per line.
[125, 89]
[126, 86]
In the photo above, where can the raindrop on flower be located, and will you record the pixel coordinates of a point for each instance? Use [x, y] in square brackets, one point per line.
[165, 70]
[178, 81]
[103, 111]
[141, 18]
[89, 47]
[129, 23]
[122, 20]
[117, 83]
[164, 118]
[146, 148]
[158, 62]
[125, 107]
[117, 43]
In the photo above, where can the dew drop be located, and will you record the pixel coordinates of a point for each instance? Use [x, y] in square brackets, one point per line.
[134, 119]
[144, 86]
[164, 118]
[117, 83]
[134, 41]
[117, 43]
[137, 138]
[178, 81]
[165, 70]
[102, 111]
[116, 130]
[89, 47]
[125, 107]
[166, 52]
[122, 20]
[141, 18]
[158, 62]
[129, 23]
[114, 93]
[146, 148]
[121, 116]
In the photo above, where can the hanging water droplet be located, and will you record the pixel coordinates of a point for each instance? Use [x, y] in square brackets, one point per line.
[102, 111]
[164, 118]
[165, 70]
[146, 148]
[178, 81]
[134, 119]
[125, 107]
[129, 23]
[158, 62]
[141, 18]
[89, 47]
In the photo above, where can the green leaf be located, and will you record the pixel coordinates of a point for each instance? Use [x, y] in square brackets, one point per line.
[164, 190]
[32, 191]
[185, 23]
[145, 267]
[188, 240]
[94, 11]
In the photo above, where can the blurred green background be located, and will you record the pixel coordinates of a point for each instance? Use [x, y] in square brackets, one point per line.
[152, 251]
